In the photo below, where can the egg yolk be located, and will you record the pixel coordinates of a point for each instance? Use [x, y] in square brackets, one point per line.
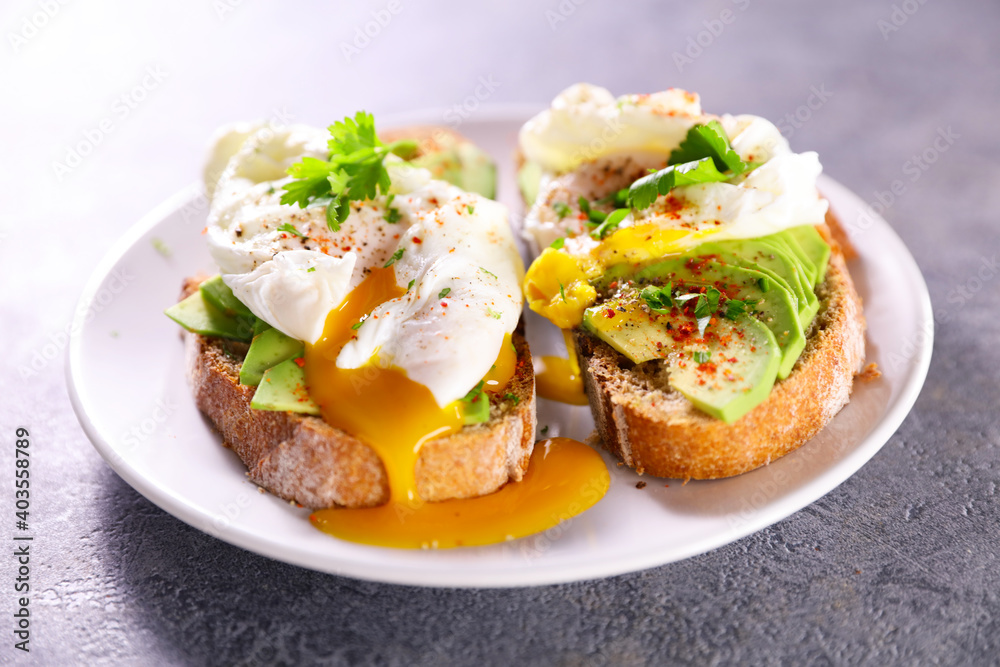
[560, 379]
[396, 415]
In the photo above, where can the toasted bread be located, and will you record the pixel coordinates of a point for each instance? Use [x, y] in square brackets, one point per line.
[303, 459]
[657, 431]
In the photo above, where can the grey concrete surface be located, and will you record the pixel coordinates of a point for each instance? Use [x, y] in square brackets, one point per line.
[898, 565]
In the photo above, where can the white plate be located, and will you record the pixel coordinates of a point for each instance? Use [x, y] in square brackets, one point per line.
[127, 387]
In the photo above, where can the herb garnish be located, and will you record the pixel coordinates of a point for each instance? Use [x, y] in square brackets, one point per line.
[287, 227]
[396, 256]
[355, 170]
[443, 293]
[476, 408]
[561, 209]
[659, 299]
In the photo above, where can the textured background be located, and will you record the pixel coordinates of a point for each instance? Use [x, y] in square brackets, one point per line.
[898, 564]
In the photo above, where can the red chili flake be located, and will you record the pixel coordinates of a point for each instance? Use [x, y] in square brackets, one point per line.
[416, 239]
[300, 362]
[444, 304]
[609, 313]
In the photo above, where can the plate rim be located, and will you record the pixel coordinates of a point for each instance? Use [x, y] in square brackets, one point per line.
[887, 424]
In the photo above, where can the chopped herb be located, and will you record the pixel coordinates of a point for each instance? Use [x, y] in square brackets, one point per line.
[701, 356]
[659, 299]
[492, 313]
[735, 308]
[764, 283]
[561, 209]
[270, 190]
[287, 227]
[358, 325]
[490, 273]
[593, 217]
[396, 256]
[392, 216]
[610, 223]
[644, 191]
[470, 208]
[705, 156]
[160, 246]
[709, 140]
[310, 269]
[562, 292]
[410, 286]
[544, 430]
[707, 303]
[558, 243]
[443, 293]
[511, 397]
[354, 171]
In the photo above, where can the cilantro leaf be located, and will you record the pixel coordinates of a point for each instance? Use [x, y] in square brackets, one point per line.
[561, 209]
[701, 356]
[511, 397]
[610, 223]
[709, 140]
[644, 191]
[735, 308]
[355, 170]
[659, 299]
[558, 243]
[443, 293]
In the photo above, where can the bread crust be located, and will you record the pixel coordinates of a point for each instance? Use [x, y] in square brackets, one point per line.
[303, 459]
[657, 431]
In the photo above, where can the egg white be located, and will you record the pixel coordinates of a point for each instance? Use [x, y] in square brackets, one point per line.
[450, 240]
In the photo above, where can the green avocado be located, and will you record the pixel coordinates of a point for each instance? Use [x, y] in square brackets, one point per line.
[784, 243]
[777, 264]
[812, 244]
[726, 373]
[773, 304]
[283, 388]
[267, 350]
[461, 163]
[529, 180]
[197, 314]
[219, 295]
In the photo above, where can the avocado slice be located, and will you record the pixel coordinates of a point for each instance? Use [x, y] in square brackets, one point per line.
[773, 303]
[198, 315]
[782, 242]
[726, 373]
[461, 163]
[219, 295]
[729, 375]
[283, 388]
[811, 241]
[267, 350]
[778, 265]
[529, 180]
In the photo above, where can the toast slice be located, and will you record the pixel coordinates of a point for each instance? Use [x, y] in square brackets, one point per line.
[657, 431]
[303, 459]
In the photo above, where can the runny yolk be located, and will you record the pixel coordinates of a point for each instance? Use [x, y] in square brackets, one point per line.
[396, 416]
[560, 379]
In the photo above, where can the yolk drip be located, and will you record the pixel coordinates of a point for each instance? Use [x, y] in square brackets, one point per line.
[381, 406]
[395, 416]
[560, 379]
[564, 478]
